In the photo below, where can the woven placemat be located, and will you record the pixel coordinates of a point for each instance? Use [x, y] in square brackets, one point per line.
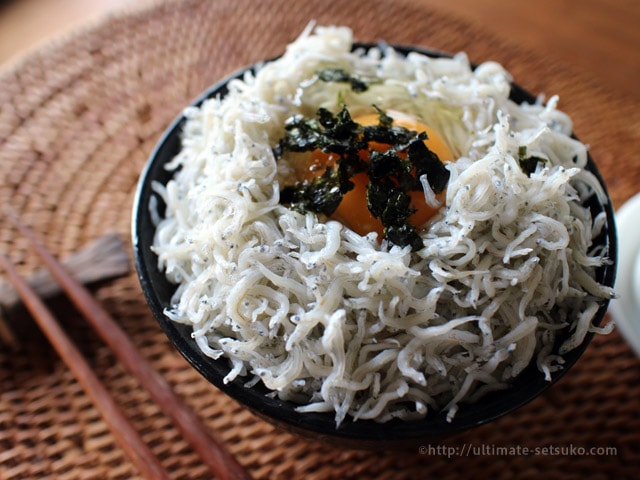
[78, 120]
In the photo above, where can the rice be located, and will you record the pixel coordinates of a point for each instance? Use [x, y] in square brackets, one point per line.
[343, 323]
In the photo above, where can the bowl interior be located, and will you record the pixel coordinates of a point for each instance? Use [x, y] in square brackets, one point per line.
[363, 433]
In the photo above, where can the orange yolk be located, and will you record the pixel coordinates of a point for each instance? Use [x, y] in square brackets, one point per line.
[353, 211]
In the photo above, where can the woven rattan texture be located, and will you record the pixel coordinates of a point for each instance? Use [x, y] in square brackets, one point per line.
[78, 120]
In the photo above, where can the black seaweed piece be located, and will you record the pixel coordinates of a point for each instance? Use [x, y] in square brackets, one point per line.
[322, 194]
[349, 165]
[340, 133]
[528, 164]
[341, 75]
[389, 203]
[385, 164]
[301, 135]
[427, 163]
[384, 120]
[402, 235]
[330, 133]
[399, 137]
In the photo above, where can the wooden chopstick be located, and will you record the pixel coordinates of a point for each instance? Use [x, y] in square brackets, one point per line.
[211, 450]
[125, 434]
[102, 259]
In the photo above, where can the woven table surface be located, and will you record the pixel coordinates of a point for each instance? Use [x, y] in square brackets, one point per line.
[78, 119]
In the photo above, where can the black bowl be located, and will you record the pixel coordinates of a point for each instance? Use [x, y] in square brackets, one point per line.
[321, 426]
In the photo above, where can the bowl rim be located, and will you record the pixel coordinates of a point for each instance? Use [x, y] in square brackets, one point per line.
[362, 433]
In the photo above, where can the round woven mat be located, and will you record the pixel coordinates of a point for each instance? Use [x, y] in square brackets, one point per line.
[77, 122]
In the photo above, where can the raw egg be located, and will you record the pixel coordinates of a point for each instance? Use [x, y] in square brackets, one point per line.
[353, 211]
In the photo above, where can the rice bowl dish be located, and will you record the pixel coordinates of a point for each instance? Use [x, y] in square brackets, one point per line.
[366, 323]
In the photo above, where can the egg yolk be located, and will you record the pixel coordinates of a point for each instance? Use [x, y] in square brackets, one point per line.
[353, 210]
